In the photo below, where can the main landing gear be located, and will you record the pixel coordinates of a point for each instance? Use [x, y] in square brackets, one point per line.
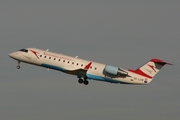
[83, 81]
[18, 66]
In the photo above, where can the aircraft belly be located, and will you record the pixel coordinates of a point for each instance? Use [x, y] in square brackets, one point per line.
[52, 67]
[105, 79]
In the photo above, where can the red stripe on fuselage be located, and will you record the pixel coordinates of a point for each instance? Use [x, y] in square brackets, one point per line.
[139, 72]
[35, 53]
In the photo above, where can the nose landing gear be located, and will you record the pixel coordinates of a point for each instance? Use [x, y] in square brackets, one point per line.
[18, 66]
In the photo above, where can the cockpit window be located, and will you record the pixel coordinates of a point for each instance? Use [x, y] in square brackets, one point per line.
[23, 50]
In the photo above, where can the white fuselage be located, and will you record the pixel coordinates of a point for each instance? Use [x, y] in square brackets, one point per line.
[69, 64]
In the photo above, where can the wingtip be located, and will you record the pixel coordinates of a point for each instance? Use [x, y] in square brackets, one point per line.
[170, 64]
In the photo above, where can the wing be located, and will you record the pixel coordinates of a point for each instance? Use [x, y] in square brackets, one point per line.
[79, 72]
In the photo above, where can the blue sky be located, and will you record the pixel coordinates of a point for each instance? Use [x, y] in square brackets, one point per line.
[122, 33]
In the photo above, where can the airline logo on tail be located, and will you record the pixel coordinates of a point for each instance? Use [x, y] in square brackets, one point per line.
[151, 68]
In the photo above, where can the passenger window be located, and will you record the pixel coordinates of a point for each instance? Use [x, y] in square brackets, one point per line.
[63, 60]
[95, 68]
[72, 62]
[81, 65]
[68, 61]
[59, 59]
[49, 57]
[40, 55]
[77, 64]
[44, 56]
[54, 58]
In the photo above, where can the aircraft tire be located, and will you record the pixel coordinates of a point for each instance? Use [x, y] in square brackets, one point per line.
[86, 82]
[18, 67]
[80, 81]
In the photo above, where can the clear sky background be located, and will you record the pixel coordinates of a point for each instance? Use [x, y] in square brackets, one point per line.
[123, 33]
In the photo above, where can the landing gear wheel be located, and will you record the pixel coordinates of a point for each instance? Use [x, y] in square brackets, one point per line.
[86, 82]
[80, 81]
[18, 67]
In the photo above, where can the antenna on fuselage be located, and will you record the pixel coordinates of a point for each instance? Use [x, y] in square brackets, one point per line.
[76, 57]
[47, 50]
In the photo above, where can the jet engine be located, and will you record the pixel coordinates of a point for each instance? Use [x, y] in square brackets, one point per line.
[115, 71]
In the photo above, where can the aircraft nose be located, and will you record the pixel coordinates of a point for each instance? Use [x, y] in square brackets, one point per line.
[12, 55]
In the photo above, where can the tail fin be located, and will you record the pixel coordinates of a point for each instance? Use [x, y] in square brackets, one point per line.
[151, 68]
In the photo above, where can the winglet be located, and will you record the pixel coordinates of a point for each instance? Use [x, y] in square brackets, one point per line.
[88, 66]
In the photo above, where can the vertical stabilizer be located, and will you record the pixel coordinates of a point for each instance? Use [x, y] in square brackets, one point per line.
[151, 68]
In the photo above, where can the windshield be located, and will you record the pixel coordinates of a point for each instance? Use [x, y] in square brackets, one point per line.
[23, 50]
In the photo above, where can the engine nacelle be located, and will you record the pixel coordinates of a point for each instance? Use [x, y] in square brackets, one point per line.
[112, 70]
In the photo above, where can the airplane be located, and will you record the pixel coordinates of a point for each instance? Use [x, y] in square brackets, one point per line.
[88, 70]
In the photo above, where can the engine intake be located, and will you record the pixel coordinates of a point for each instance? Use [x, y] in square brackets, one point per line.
[112, 70]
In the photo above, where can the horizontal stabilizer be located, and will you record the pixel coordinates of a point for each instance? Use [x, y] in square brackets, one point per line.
[158, 61]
